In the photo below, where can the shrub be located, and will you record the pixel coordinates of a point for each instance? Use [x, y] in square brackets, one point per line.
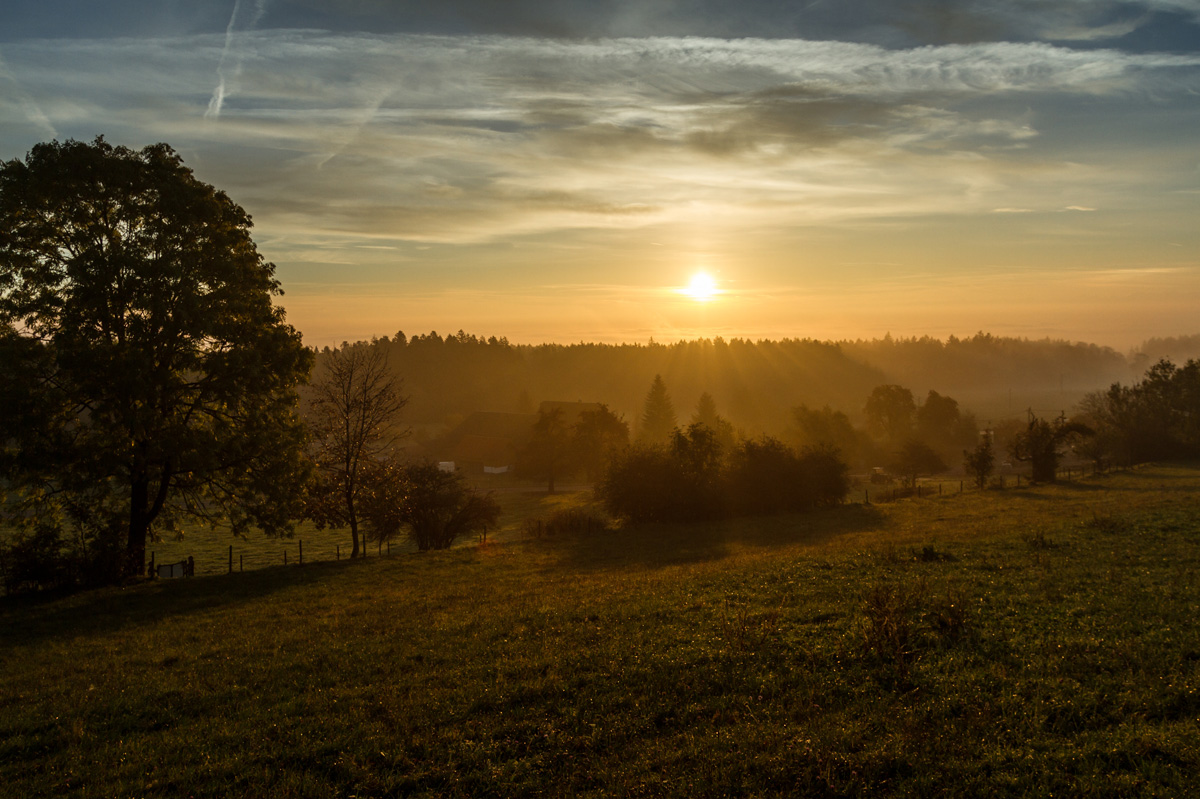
[434, 508]
[645, 484]
[765, 476]
[825, 476]
[37, 560]
[689, 480]
[567, 521]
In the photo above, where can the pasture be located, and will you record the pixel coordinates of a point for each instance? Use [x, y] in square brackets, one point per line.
[1029, 641]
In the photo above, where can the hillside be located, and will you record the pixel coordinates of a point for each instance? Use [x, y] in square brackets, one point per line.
[755, 384]
[1019, 642]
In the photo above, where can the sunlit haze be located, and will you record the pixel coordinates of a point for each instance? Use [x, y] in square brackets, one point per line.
[620, 171]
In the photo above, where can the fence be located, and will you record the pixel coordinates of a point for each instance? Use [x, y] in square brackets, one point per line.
[932, 488]
[216, 555]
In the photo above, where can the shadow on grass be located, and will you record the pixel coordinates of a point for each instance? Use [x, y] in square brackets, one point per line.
[660, 545]
[35, 617]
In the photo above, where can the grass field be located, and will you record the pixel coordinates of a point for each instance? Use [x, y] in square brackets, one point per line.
[1031, 642]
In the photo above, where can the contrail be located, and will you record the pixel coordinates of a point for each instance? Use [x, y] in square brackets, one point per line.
[218, 97]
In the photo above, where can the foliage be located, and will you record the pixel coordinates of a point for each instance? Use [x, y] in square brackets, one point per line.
[355, 402]
[942, 426]
[706, 415]
[917, 458]
[658, 414]
[147, 374]
[647, 483]
[766, 476]
[37, 559]
[567, 521]
[596, 438]
[825, 476]
[1156, 418]
[547, 455]
[890, 410]
[694, 479]
[827, 428]
[980, 462]
[1039, 445]
[433, 508]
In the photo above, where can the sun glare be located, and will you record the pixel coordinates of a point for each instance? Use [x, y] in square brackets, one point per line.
[702, 287]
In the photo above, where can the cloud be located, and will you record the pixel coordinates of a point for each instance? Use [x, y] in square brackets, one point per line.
[332, 137]
[21, 109]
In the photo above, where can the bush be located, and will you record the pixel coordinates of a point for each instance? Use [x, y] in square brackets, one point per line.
[825, 476]
[38, 560]
[43, 558]
[567, 521]
[645, 484]
[434, 508]
[690, 481]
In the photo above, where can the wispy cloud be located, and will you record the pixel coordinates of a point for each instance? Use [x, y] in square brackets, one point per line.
[467, 139]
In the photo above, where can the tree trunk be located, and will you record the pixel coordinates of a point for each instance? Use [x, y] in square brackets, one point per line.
[139, 529]
[354, 551]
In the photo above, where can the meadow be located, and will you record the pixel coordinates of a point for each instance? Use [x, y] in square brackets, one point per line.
[1033, 641]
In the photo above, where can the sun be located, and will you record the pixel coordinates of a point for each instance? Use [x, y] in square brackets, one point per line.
[702, 287]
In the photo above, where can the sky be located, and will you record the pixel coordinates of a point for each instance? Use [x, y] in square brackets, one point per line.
[563, 171]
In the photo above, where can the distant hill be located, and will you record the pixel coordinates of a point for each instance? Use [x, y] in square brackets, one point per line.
[756, 383]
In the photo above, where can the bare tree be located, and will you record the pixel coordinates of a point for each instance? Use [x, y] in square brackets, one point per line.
[355, 403]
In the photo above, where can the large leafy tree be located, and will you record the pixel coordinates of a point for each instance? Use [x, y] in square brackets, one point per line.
[597, 437]
[547, 454]
[148, 374]
[890, 410]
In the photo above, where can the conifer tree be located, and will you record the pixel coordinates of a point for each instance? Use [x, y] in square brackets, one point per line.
[658, 414]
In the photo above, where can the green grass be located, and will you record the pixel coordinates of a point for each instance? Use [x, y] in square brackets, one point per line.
[210, 549]
[1021, 643]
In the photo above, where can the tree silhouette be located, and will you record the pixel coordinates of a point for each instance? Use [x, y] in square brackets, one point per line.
[547, 454]
[916, 458]
[706, 414]
[980, 462]
[597, 437]
[889, 411]
[434, 508]
[826, 428]
[156, 377]
[355, 404]
[1039, 445]
[658, 414]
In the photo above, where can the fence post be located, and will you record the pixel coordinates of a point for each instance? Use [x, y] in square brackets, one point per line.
[153, 572]
[241, 563]
[301, 551]
[1018, 481]
[960, 486]
[866, 496]
[939, 489]
[285, 557]
[389, 547]
[338, 547]
[231, 558]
